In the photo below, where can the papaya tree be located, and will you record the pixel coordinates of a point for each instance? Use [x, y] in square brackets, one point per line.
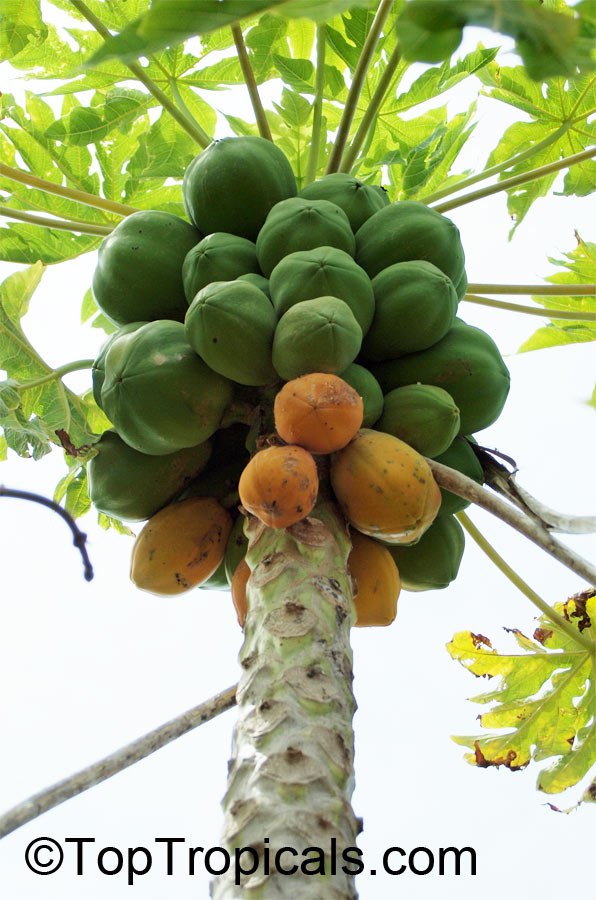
[289, 399]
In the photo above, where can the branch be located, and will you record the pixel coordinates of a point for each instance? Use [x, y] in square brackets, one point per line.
[360, 71]
[465, 487]
[60, 224]
[79, 537]
[521, 585]
[66, 369]
[532, 175]
[376, 102]
[317, 109]
[110, 765]
[547, 312]
[190, 125]
[251, 83]
[547, 290]
[49, 187]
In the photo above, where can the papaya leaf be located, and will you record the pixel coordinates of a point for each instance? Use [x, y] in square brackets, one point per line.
[579, 268]
[87, 125]
[107, 522]
[72, 488]
[544, 704]
[438, 79]
[20, 243]
[550, 42]
[20, 23]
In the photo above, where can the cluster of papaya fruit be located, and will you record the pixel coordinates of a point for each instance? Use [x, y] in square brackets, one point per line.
[218, 321]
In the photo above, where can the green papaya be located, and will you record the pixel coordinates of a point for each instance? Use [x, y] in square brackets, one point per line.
[461, 285]
[138, 276]
[218, 581]
[466, 363]
[230, 324]
[234, 182]
[129, 485]
[159, 395]
[459, 456]
[235, 548]
[258, 280]
[322, 272]
[365, 383]
[98, 369]
[299, 224]
[319, 335]
[218, 257]
[415, 306]
[409, 230]
[433, 562]
[358, 200]
[421, 415]
[220, 481]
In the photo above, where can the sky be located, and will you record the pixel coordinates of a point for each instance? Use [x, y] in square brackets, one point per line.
[87, 667]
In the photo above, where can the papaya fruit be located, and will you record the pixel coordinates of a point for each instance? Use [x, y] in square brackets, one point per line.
[181, 546]
[358, 200]
[220, 481]
[376, 582]
[322, 272]
[459, 456]
[319, 412]
[415, 306]
[235, 547]
[280, 485]
[218, 581]
[230, 324]
[239, 586]
[138, 276]
[159, 395]
[129, 485]
[234, 182]
[461, 285]
[433, 562]
[298, 224]
[319, 335]
[384, 487]
[365, 383]
[98, 369]
[258, 280]
[466, 363]
[421, 415]
[408, 230]
[218, 257]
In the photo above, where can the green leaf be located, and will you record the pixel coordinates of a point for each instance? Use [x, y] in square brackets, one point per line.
[298, 73]
[19, 23]
[29, 244]
[72, 488]
[545, 698]
[107, 522]
[579, 268]
[87, 125]
[164, 151]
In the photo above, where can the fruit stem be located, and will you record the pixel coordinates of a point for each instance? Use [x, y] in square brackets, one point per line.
[507, 183]
[532, 311]
[558, 620]
[61, 224]
[191, 126]
[251, 83]
[50, 187]
[317, 109]
[75, 366]
[369, 117]
[358, 78]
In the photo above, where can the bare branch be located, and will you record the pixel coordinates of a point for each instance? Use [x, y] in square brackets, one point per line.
[81, 781]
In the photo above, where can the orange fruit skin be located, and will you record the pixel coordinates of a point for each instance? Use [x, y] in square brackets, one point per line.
[320, 412]
[377, 580]
[239, 582]
[279, 485]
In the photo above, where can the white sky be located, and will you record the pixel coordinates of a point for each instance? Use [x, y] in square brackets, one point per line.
[88, 667]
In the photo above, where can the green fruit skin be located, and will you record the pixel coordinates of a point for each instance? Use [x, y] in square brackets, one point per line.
[230, 324]
[433, 562]
[98, 369]
[218, 257]
[409, 230]
[129, 485]
[358, 200]
[138, 276]
[319, 335]
[298, 224]
[322, 272]
[235, 548]
[159, 395]
[234, 182]
[258, 281]
[466, 363]
[461, 285]
[365, 383]
[459, 456]
[220, 482]
[421, 415]
[415, 306]
[218, 581]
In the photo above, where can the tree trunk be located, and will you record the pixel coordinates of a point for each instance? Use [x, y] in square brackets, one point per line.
[291, 775]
